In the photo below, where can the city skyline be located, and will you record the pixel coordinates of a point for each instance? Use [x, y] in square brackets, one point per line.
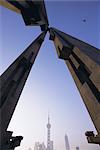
[42, 146]
[50, 85]
[49, 144]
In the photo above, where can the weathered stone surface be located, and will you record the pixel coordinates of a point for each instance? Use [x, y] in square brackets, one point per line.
[74, 61]
[84, 65]
[33, 12]
[12, 84]
[92, 105]
[76, 79]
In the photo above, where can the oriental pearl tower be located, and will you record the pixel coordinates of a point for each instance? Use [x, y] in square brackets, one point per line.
[48, 134]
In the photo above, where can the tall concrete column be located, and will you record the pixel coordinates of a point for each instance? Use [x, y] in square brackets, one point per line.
[83, 62]
[12, 83]
[33, 11]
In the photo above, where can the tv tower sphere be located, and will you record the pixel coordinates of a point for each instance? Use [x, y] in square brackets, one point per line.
[48, 125]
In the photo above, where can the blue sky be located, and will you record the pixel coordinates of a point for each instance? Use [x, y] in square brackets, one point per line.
[50, 86]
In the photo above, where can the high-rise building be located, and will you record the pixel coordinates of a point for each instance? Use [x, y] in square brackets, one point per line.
[51, 145]
[39, 146]
[77, 148]
[66, 143]
[29, 149]
[42, 146]
[36, 146]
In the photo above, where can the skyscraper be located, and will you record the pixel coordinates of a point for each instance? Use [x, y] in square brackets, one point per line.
[77, 148]
[51, 145]
[39, 146]
[36, 146]
[66, 143]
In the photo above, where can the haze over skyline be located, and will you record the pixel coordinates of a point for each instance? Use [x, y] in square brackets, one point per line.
[50, 86]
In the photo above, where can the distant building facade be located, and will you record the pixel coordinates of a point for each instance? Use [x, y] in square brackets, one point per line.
[36, 146]
[77, 148]
[66, 143]
[39, 146]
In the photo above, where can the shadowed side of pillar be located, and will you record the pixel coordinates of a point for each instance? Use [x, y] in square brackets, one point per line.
[33, 11]
[12, 83]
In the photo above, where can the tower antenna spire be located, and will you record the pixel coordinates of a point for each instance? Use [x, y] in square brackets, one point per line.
[48, 117]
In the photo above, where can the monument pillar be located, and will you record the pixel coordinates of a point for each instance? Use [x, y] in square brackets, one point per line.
[83, 62]
[12, 83]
